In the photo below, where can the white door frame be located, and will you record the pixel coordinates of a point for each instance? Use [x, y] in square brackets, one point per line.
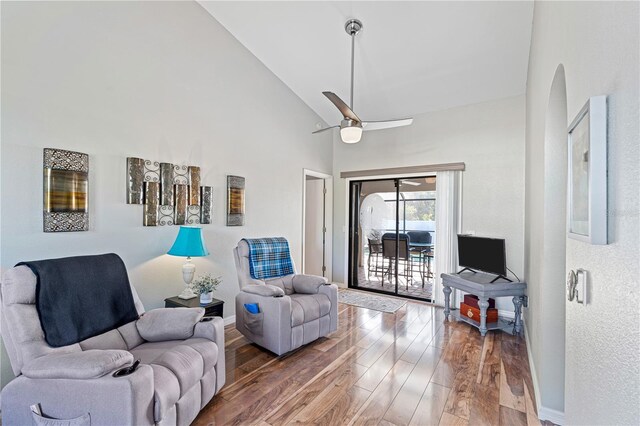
[328, 218]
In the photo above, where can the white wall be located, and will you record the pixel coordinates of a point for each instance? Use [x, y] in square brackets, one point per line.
[488, 137]
[598, 45]
[161, 81]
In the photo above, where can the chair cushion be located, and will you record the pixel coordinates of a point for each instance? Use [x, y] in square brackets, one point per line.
[149, 352]
[177, 365]
[112, 339]
[285, 283]
[308, 307]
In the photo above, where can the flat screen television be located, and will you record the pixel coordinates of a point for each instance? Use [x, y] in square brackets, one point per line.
[482, 254]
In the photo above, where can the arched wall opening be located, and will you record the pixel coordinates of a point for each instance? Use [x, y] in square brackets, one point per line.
[552, 288]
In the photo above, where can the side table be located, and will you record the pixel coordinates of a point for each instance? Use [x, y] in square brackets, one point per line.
[213, 309]
[479, 284]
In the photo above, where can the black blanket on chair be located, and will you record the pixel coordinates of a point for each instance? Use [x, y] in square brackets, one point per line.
[81, 297]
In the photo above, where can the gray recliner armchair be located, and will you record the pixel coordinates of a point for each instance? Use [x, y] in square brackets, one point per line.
[182, 364]
[294, 309]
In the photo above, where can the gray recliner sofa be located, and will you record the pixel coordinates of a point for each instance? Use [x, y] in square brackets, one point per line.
[295, 309]
[182, 364]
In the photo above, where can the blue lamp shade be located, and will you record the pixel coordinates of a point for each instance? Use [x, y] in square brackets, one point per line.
[189, 243]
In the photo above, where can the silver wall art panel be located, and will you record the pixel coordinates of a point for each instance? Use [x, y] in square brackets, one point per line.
[194, 186]
[171, 193]
[193, 215]
[65, 191]
[180, 203]
[166, 184]
[151, 171]
[135, 180]
[180, 175]
[165, 215]
[206, 204]
[235, 201]
[151, 200]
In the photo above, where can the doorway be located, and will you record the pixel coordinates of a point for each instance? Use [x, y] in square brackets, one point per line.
[317, 223]
[392, 236]
[554, 265]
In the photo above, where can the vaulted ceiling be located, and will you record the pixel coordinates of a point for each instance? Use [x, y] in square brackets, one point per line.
[411, 57]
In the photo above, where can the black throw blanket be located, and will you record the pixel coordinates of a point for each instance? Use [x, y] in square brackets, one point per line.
[81, 297]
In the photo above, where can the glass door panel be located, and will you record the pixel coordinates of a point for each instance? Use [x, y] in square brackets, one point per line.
[383, 214]
[373, 215]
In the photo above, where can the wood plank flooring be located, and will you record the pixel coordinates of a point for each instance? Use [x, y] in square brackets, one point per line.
[406, 368]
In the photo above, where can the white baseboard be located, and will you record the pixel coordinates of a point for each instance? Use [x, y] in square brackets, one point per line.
[544, 413]
[554, 416]
[532, 366]
[229, 320]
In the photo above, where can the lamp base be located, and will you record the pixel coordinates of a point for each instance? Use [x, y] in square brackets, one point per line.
[187, 294]
[188, 270]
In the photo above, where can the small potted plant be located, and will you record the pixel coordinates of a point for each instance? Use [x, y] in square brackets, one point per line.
[205, 285]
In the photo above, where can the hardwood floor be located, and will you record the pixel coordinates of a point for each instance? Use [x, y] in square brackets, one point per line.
[407, 368]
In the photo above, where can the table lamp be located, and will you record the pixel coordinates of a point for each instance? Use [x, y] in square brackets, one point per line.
[188, 243]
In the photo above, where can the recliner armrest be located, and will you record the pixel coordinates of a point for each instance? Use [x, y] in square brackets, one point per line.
[125, 400]
[263, 290]
[308, 284]
[89, 364]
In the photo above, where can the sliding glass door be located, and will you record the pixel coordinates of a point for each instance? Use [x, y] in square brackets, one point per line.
[391, 232]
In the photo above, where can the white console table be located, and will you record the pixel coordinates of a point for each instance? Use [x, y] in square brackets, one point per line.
[479, 284]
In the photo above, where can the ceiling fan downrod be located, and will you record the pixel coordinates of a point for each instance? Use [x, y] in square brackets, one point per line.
[352, 27]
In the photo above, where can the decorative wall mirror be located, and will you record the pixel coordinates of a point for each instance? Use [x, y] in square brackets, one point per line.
[587, 173]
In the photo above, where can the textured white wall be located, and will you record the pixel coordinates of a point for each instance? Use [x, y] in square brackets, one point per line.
[598, 45]
[161, 81]
[488, 137]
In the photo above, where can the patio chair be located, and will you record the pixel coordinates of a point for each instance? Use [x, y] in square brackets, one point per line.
[375, 256]
[404, 256]
[420, 246]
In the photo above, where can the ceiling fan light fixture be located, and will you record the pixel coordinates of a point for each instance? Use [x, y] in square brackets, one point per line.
[351, 134]
[350, 131]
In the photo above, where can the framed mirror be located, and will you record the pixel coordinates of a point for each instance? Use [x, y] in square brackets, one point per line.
[587, 173]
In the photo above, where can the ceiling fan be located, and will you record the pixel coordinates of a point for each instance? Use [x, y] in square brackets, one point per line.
[351, 126]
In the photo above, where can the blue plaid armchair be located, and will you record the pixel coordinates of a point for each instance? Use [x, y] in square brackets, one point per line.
[277, 308]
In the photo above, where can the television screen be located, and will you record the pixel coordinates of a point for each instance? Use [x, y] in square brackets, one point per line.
[482, 254]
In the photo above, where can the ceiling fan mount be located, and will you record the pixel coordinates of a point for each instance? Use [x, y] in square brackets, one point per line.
[353, 27]
[351, 126]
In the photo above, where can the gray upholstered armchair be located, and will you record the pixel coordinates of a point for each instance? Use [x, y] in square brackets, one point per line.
[182, 365]
[294, 309]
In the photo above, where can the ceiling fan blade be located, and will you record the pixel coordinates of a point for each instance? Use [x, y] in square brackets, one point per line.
[341, 105]
[387, 124]
[322, 130]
